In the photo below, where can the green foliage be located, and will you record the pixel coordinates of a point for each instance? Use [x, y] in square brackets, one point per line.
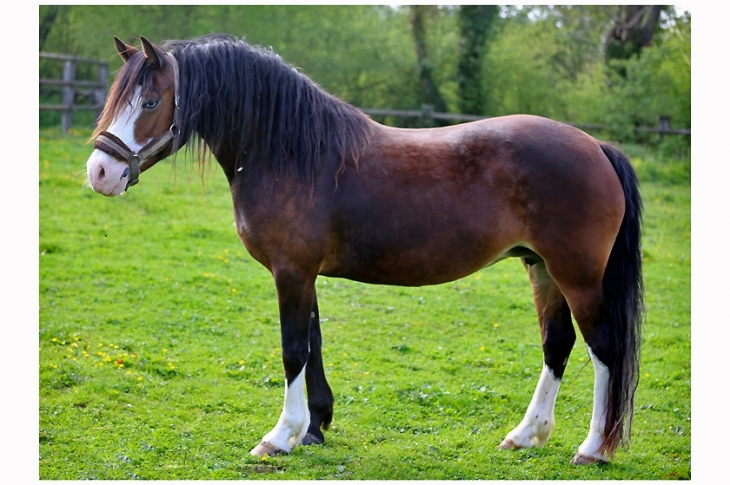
[159, 348]
[545, 60]
[657, 83]
[520, 77]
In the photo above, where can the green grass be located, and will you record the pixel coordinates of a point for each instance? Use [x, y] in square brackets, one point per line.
[159, 348]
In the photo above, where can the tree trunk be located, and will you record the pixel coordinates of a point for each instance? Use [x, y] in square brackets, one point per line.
[475, 22]
[48, 14]
[633, 30]
[425, 69]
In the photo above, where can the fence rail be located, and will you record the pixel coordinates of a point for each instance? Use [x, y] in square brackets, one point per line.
[71, 88]
[96, 91]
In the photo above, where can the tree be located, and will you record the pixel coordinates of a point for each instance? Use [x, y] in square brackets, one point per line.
[475, 23]
[633, 30]
[425, 66]
[48, 15]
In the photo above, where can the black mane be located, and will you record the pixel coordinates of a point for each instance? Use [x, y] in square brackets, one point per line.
[253, 110]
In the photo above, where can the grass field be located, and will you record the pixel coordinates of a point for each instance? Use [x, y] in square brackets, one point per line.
[159, 348]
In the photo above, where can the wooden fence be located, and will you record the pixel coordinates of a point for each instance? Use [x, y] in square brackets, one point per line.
[427, 116]
[95, 90]
[73, 89]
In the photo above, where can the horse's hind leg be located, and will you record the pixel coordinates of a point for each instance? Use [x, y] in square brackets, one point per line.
[558, 337]
[319, 394]
[590, 314]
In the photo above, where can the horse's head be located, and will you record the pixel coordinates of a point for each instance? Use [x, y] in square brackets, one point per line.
[137, 127]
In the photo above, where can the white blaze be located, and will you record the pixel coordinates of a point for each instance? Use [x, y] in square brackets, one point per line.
[106, 173]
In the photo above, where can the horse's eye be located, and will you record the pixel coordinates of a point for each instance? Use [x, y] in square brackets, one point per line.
[151, 104]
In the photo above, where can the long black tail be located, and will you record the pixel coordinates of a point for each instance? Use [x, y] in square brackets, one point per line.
[623, 289]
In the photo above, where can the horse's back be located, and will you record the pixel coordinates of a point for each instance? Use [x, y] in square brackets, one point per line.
[429, 206]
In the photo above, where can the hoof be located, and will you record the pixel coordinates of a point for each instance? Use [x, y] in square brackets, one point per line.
[508, 444]
[311, 439]
[265, 448]
[581, 459]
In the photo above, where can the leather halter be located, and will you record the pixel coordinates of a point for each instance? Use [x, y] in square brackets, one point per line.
[139, 162]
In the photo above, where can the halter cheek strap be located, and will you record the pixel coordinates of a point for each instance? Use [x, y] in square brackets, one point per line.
[139, 162]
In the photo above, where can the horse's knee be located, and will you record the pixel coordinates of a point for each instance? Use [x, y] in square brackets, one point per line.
[295, 357]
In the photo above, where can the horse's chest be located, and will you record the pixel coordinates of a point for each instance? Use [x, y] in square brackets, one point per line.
[251, 228]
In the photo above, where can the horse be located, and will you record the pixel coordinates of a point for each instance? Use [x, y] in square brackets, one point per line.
[319, 188]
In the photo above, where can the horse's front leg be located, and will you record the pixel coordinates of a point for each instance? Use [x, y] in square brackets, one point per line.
[296, 298]
[319, 393]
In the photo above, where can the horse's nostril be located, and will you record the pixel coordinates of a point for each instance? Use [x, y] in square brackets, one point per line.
[125, 173]
[102, 173]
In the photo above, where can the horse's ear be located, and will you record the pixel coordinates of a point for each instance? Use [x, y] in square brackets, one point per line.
[125, 51]
[150, 52]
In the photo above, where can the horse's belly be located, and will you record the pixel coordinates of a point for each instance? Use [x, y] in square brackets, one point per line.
[416, 263]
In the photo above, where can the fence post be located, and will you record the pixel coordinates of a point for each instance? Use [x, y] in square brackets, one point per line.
[663, 126]
[69, 73]
[427, 115]
[100, 93]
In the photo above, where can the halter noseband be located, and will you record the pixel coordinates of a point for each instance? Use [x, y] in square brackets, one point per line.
[138, 162]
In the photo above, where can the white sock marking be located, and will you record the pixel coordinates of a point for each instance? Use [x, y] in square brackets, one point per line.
[591, 445]
[539, 420]
[294, 420]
